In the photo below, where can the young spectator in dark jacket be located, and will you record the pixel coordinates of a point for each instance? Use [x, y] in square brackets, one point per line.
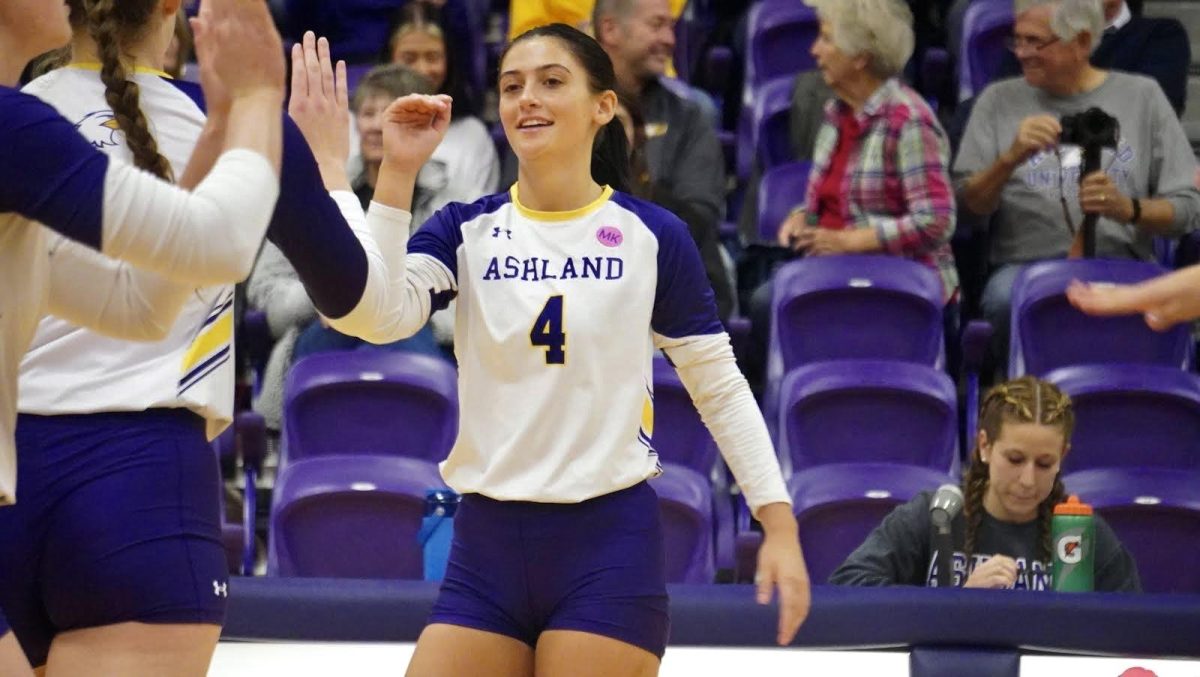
[1002, 537]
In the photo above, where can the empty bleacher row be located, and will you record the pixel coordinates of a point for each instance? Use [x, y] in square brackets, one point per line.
[863, 419]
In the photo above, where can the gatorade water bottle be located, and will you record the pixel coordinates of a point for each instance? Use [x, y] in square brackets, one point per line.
[1073, 535]
[437, 530]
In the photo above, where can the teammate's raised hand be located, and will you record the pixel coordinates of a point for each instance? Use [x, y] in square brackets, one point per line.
[246, 51]
[320, 107]
[413, 126]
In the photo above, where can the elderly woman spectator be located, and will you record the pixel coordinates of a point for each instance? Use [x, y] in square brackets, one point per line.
[1010, 166]
[880, 179]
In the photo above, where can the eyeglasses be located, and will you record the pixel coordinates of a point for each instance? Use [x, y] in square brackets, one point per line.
[1016, 43]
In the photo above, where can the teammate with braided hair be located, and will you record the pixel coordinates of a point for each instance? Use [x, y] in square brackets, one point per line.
[1002, 537]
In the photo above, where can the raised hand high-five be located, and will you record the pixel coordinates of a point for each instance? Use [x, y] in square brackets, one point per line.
[320, 107]
[241, 58]
[413, 126]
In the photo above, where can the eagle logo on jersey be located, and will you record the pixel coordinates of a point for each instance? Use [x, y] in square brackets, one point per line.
[100, 129]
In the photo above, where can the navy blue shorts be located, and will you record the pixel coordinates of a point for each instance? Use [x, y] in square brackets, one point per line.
[117, 520]
[519, 568]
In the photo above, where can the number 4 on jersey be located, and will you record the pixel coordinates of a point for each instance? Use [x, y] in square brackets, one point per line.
[547, 331]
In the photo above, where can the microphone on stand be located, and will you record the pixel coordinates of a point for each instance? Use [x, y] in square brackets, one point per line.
[946, 504]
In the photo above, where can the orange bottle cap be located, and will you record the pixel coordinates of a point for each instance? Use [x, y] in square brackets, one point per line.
[1072, 506]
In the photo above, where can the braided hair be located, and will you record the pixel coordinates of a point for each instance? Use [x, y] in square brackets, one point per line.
[1023, 400]
[113, 24]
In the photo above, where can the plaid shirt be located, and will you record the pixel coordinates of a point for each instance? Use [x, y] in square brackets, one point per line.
[897, 177]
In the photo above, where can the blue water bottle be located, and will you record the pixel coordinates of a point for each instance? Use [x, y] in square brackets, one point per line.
[437, 530]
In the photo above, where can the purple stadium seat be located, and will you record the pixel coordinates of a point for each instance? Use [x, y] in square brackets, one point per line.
[385, 403]
[1048, 332]
[245, 439]
[986, 25]
[1156, 514]
[838, 505]
[1132, 416]
[762, 131]
[685, 504]
[779, 34]
[851, 307]
[868, 411]
[769, 113]
[680, 437]
[856, 307]
[782, 188]
[350, 517]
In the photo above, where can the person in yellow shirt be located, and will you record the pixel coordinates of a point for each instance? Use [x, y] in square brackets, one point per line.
[526, 14]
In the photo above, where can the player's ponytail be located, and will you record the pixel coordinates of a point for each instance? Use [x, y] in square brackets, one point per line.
[610, 148]
[610, 156]
[111, 24]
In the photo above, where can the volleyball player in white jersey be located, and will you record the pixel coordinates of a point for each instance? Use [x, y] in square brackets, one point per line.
[565, 288]
[104, 422]
[50, 176]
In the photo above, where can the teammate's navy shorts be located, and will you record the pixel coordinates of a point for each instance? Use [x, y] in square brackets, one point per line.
[519, 568]
[3, 624]
[117, 519]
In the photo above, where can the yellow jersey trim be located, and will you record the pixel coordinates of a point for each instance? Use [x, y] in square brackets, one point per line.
[559, 216]
[94, 66]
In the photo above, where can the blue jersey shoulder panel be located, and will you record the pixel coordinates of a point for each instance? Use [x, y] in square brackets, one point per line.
[684, 303]
[48, 171]
[441, 235]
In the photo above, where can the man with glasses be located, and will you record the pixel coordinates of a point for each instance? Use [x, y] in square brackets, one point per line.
[1010, 167]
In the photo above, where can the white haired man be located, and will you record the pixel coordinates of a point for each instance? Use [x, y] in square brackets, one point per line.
[1010, 167]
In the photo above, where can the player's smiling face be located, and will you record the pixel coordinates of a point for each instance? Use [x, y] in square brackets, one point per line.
[546, 105]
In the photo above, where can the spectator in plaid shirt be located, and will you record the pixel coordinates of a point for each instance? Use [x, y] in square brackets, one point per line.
[880, 178]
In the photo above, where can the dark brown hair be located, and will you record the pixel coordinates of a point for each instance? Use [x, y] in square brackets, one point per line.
[610, 149]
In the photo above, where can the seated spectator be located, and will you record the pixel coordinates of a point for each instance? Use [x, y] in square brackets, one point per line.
[682, 152]
[1010, 166]
[275, 288]
[880, 178]
[464, 167]
[1157, 47]
[1002, 537]
[378, 88]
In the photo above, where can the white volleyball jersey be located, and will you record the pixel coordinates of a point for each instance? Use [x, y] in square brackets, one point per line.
[50, 175]
[558, 316]
[73, 370]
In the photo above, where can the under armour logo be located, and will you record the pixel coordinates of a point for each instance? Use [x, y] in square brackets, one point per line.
[220, 589]
[497, 229]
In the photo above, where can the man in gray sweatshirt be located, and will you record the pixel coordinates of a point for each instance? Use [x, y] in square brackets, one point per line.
[1012, 168]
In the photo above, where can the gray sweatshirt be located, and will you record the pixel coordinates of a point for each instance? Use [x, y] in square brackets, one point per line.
[1154, 159]
[900, 552]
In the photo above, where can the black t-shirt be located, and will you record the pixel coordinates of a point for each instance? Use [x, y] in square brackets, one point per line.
[900, 551]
